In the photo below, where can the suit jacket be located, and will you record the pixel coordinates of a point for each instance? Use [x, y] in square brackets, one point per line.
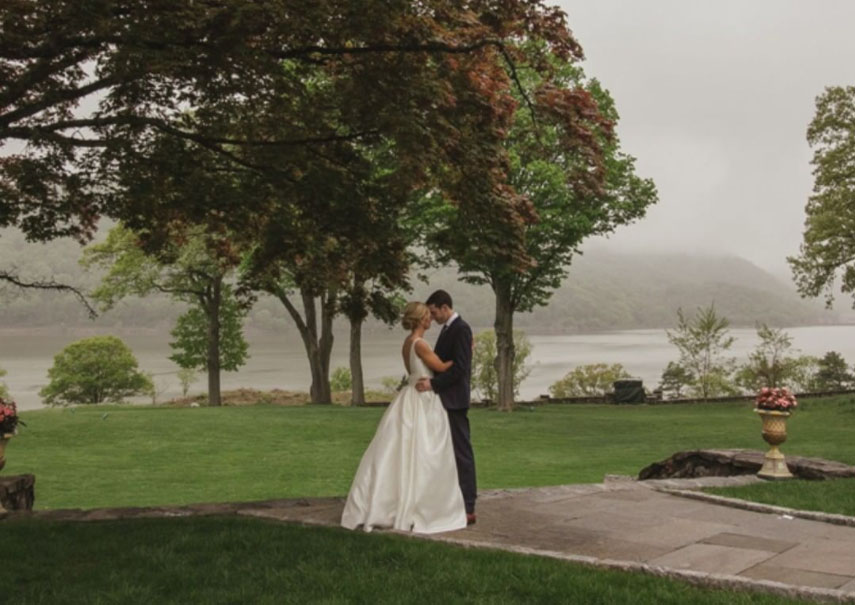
[452, 386]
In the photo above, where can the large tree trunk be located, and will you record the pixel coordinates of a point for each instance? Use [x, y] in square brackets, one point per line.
[212, 309]
[319, 391]
[504, 362]
[318, 345]
[357, 385]
[325, 345]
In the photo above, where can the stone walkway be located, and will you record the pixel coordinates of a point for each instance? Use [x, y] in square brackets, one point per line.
[648, 527]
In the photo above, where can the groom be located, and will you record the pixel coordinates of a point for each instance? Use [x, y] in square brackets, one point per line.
[455, 344]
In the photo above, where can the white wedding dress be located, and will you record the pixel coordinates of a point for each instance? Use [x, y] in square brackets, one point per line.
[407, 478]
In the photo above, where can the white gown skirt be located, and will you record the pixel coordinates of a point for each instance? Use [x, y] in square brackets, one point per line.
[407, 478]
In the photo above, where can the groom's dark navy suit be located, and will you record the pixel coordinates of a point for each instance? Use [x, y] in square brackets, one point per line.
[455, 344]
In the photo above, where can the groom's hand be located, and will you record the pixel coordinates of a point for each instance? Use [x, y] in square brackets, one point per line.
[423, 385]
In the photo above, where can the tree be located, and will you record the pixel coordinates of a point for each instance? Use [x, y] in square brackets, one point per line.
[832, 374]
[94, 370]
[484, 377]
[186, 376]
[4, 391]
[191, 268]
[674, 379]
[770, 366]
[192, 330]
[571, 181]
[702, 341]
[405, 70]
[593, 380]
[828, 249]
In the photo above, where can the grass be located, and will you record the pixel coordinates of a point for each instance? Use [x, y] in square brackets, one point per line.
[137, 456]
[143, 456]
[232, 560]
[833, 496]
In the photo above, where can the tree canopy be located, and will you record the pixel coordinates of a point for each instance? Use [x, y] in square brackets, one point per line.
[827, 252]
[88, 84]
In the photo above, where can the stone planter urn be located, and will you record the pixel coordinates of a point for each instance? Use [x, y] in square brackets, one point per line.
[4, 439]
[774, 433]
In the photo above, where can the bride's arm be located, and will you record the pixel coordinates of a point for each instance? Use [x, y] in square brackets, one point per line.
[429, 357]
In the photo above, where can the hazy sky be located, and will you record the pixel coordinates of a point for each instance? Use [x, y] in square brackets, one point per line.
[715, 99]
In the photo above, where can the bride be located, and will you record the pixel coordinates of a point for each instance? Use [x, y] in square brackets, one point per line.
[407, 478]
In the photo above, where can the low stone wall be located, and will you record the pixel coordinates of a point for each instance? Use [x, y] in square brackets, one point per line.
[725, 463]
[17, 492]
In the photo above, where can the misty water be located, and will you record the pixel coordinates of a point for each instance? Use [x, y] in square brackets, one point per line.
[278, 361]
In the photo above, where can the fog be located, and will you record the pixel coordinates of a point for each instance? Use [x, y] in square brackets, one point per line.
[715, 99]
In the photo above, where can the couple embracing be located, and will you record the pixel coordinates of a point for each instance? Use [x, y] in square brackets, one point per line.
[418, 473]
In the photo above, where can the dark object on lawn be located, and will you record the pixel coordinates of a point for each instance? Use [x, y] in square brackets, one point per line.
[628, 391]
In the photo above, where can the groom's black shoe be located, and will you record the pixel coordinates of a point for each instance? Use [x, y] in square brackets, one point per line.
[471, 518]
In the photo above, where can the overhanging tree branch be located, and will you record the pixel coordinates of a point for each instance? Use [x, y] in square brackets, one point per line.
[49, 285]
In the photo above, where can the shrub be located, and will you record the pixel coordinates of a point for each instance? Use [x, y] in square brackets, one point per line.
[341, 380]
[186, 376]
[94, 370]
[832, 374]
[592, 380]
[770, 364]
[484, 376]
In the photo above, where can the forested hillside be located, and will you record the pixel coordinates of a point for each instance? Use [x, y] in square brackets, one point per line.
[605, 291]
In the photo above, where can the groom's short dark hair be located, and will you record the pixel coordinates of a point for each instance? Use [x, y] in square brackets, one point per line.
[439, 298]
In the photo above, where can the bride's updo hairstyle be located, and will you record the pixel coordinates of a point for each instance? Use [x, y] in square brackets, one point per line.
[414, 313]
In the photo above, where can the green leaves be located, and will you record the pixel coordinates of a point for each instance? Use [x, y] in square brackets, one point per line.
[94, 370]
[827, 252]
[192, 336]
[702, 341]
[592, 380]
[484, 376]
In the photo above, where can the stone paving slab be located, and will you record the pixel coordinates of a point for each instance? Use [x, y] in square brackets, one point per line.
[766, 571]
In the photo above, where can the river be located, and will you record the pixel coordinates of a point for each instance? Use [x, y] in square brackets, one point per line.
[278, 361]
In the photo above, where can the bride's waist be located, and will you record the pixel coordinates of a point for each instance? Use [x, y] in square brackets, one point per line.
[414, 378]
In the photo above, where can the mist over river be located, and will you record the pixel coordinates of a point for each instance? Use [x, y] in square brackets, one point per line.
[279, 361]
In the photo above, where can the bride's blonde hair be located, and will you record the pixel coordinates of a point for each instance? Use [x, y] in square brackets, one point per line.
[414, 313]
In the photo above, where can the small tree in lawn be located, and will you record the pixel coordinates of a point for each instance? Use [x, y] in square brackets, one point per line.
[593, 380]
[95, 370]
[484, 378]
[769, 365]
[186, 376]
[674, 379]
[832, 374]
[191, 266]
[192, 332]
[702, 341]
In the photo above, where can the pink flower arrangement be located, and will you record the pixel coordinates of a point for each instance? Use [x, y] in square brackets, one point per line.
[779, 399]
[8, 417]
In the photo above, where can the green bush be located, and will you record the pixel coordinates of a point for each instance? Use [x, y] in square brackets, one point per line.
[4, 392]
[592, 380]
[832, 374]
[484, 377]
[341, 380]
[94, 370]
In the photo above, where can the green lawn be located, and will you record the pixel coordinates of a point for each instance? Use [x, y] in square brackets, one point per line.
[133, 456]
[137, 456]
[232, 560]
[835, 496]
